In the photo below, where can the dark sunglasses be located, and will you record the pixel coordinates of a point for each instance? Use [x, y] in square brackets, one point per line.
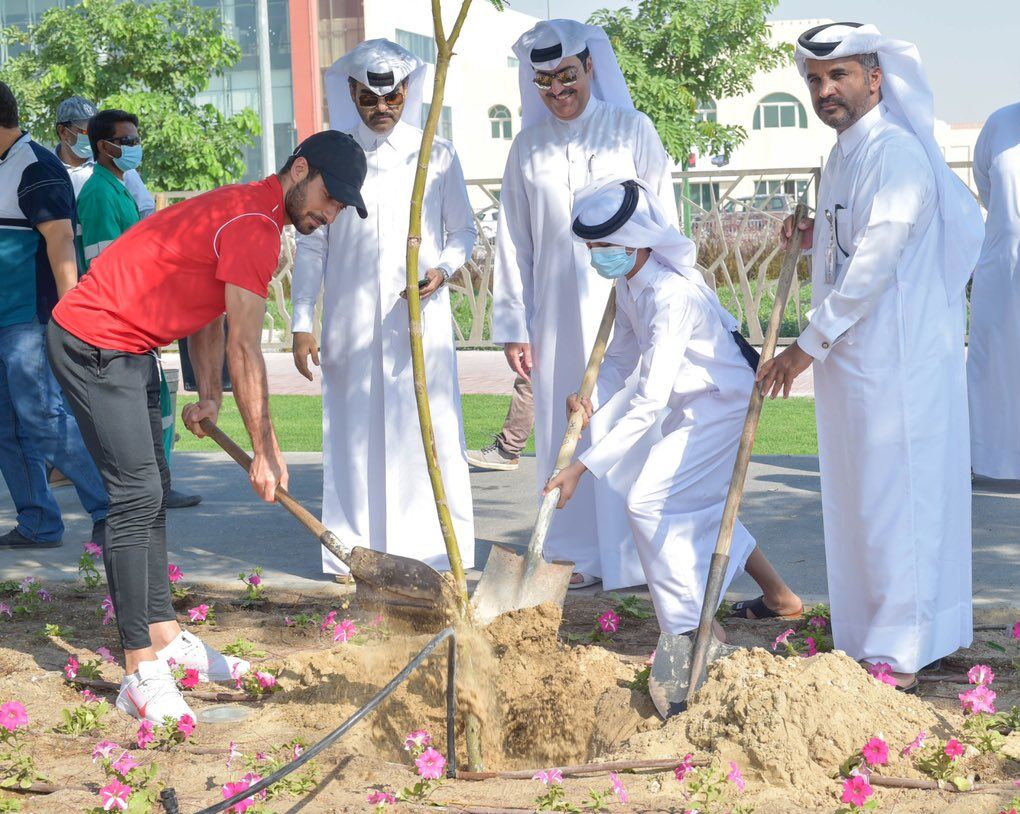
[125, 141]
[394, 98]
[566, 77]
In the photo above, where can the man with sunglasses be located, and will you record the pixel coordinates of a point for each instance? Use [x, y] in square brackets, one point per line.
[375, 480]
[578, 124]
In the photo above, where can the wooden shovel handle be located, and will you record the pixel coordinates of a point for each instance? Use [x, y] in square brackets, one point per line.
[591, 374]
[787, 274]
[306, 518]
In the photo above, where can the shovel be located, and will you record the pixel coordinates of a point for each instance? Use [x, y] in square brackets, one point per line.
[380, 580]
[681, 663]
[510, 581]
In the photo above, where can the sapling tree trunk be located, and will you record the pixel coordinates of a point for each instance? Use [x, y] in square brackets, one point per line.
[444, 48]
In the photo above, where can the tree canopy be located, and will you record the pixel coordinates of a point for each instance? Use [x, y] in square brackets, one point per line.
[150, 59]
[681, 55]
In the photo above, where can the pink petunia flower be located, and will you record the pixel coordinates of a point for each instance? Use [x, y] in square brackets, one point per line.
[288, 622]
[103, 749]
[124, 764]
[548, 777]
[781, 638]
[186, 725]
[236, 674]
[417, 739]
[681, 771]
[812, 647]
[953, 749]
[617, 786]
[328, 621]
[609, 622]
[174, 573]
[266, 680]
[345, 631]
[105, 654]
[198, 613]
[145, 735]
[190, 678]
[106, 606]
[232, 753]
[13, 715]
[430, 764]
[89, 697]
[26, 583]
[93, 549]
[71, 668]
[881, 671]
[856, 790]
[5, 610]
[115, 796]
[251, 778]
[735, 777]
[230, 789]
[1016, 630]
[916, 743]
[876, 752]
[817, 622]
[45, 596]
[254, 579]
[979, 699]
[381, 798]
[980, 674]
[297, 751]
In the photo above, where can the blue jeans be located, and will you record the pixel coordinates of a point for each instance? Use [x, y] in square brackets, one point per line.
[36, 428]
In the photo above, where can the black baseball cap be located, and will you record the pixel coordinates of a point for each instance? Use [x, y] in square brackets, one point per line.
[342, 164]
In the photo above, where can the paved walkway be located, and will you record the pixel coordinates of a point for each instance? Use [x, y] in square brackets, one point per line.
[478, 371]
[231, 530]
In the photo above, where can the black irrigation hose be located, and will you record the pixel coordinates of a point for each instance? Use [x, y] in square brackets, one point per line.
[169, 796]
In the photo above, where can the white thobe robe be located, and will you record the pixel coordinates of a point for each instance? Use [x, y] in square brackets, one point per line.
[993, 360]
[691, 368]
[376, 489]
[545, 293]
[891, 404]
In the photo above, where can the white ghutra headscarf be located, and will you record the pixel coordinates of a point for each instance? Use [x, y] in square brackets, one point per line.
[381, 65]
[907, 94]
[627, 212]
[550, 42]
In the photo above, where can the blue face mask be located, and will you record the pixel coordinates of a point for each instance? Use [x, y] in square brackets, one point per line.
[130, 157]
[81, 147]
[612, 262]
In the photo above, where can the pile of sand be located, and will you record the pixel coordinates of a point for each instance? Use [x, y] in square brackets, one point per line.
[791, 721]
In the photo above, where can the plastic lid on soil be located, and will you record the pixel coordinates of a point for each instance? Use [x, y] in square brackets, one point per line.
[223, 714]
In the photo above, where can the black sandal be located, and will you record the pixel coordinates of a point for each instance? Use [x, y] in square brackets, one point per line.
[760, 610]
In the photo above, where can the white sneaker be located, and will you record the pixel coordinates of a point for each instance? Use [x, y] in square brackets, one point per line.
[190, 652]
[151, 694]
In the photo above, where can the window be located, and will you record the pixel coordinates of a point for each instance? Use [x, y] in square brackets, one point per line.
[512, 62]
[418, 44]
[779, 110]
[704, 195]
[795, 188]
[499, 122]
[445, 129]
[705, 111]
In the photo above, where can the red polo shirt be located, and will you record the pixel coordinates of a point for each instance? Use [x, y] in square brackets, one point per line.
[166, 277]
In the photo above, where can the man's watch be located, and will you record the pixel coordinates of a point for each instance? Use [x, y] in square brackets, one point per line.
[446, 275]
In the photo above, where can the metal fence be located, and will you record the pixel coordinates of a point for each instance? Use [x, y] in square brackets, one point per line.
[733, 216]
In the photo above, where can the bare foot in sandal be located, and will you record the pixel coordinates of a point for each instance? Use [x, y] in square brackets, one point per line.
[784, 606]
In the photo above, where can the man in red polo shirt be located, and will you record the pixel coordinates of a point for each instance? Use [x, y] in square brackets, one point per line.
[174, 275]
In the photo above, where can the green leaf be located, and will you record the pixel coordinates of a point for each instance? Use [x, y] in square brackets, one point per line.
[996, 646]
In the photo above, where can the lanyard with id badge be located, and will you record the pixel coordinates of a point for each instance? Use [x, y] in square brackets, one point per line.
[834, 245]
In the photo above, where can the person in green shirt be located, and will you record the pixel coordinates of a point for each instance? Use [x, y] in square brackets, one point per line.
[106, 209]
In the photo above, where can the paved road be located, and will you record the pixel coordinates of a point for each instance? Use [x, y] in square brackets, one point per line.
[231, 530]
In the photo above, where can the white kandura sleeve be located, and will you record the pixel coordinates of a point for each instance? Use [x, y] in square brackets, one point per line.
[655, 167]
[982, 164]
[458, 219]
[660, 366]
[894, 192]
[306, 281]
[619, 361]
[512, 283]
[142, 197]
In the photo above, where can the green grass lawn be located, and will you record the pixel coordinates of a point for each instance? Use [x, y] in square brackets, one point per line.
[787, 427]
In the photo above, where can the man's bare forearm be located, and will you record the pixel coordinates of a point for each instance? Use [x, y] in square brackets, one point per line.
[206, 350]
[251, 392]
[60, 251]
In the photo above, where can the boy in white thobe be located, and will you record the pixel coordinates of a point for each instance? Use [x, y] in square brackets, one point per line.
[578, 124]
[694, 372]
[993, 359]
[376, 489]
[891, 260]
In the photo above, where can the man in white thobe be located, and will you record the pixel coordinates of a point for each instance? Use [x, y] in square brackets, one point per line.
[892, 252]
[993, 359]
[578, 124]
[376, 490]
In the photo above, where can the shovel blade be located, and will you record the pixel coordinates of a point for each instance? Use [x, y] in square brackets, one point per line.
[390, 582]
[508, 584]
[671, 670]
